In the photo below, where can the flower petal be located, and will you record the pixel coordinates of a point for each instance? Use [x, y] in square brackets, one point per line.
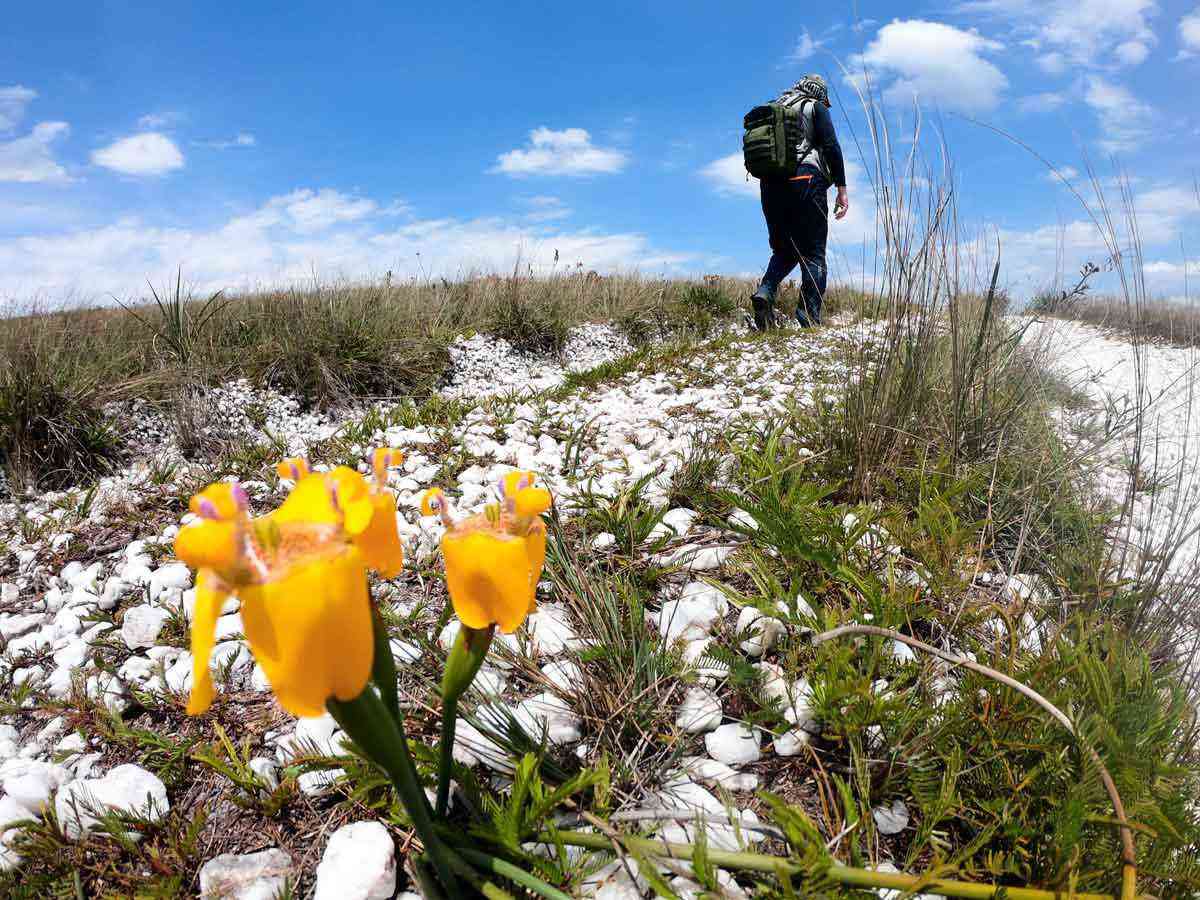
[209, 598]
[311, 631]
[532, 501]
[488, 576]
[210, 544]
[380, 541]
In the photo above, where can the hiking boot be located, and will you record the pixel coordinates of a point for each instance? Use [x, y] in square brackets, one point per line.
[763, 301]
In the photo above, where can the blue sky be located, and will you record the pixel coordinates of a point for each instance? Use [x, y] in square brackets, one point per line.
[255, 144]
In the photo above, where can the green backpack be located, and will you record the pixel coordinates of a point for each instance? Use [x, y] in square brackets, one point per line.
[771, 142]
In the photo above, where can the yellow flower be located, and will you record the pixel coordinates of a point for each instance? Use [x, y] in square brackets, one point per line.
[494, 559]
[300, 573]
[294, 468]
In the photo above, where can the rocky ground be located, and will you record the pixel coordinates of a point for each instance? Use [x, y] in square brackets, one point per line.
[94, 615]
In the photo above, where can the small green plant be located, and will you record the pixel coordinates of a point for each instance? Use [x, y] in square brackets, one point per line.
[179, 326]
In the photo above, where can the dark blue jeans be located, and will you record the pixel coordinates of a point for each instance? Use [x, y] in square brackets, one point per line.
[797, 214]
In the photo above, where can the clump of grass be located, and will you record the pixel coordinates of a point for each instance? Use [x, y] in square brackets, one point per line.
[52, 428]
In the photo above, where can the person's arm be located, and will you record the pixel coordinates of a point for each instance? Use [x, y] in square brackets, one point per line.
[825, 140]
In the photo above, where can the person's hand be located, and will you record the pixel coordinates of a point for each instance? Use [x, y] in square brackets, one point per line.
[841, 205]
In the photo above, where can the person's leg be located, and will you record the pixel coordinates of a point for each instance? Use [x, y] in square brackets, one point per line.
[812, 292]
[776, 206]
[811, 229]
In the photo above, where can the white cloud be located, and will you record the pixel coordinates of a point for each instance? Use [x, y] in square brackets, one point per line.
[1052, 63]
[13, 100]
[1124, 119]
[1096, 33]
[1061, 174]
[1189, 31]
[241, 139]
[1046, 102]
[30, 158]
[310, 211]
[543, 208]
[805, 48]
[156, 121]
[567, 152]
[149, 153]
[937, 63]
[291, 236]
[728, 177]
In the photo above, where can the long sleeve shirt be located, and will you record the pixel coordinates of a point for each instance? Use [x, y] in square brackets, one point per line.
[825, 142]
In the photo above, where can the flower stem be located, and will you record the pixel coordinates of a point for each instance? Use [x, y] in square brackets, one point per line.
[381, 737]
[865, 878]
[383, 665]
[462, 665]
[513, 873]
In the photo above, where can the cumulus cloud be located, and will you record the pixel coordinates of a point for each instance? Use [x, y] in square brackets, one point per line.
[1124, 119]
[289, 237]
[148, 153]
[13, 100]
[805, 48]
[544, 208]
[728, 177]
[936, 63]
[1061, 174]
[1096, 33]
[309, 210]
[159, 120]
[241, 139]
[1189, 31]
[31, 158]
[567, 152]
[1045, 102]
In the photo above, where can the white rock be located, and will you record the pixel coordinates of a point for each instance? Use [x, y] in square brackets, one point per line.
[228, 627]
[604, 540]
[172, 576]
[759, 633]
[312, 784]
[739, 518]
[686, 889]
[127, 788]
[674, 523]
[552, 713]
[406, 652]
[490, 682]
[449, 634]
[178, 675]
[30, 783]
[142, 624]
[734, 744]
[268, 773]
[700, 711]
[136, 669]
[891, 820]
[550, 630]
[795, 698]
[693, 615]
[247, 876]
[72, 743]
[563, 674]
[359, 864]
[790, 743]
[317, 736]
[902, 653]
[710, 771]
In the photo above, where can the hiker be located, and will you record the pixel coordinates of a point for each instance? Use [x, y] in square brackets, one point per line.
[794, 200]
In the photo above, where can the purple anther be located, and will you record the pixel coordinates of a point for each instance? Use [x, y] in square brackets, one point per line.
[333, 493]
[500, 486]
[295, 470]
[240, 498]
[206, 509]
